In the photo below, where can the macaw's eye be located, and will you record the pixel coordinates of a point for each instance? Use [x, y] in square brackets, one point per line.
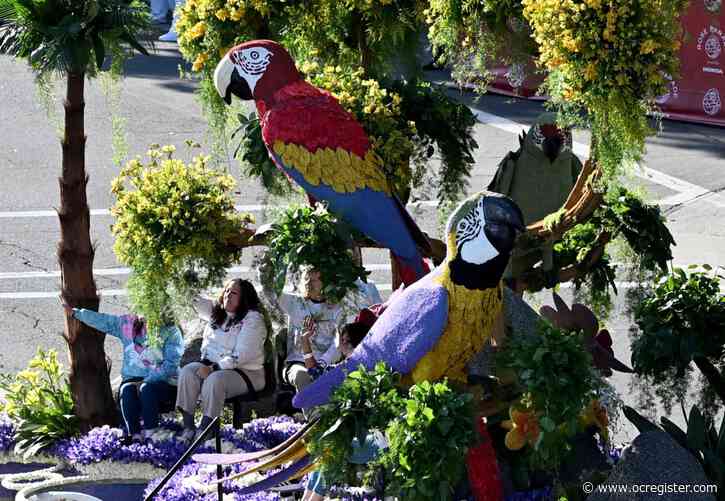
[254, 54]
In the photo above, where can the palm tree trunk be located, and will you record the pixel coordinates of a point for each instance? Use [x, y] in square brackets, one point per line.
[89, 369]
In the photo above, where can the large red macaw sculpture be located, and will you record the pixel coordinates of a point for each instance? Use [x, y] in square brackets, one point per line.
[322, 147]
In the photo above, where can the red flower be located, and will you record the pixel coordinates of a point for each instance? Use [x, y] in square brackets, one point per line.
[483, 472]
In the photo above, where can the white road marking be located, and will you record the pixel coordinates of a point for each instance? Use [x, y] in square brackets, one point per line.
[109, 272]
[686, 191]
[123, 292]
[100, 212]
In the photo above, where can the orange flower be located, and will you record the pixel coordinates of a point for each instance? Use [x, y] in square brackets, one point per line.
[523, 427]
[596, 414]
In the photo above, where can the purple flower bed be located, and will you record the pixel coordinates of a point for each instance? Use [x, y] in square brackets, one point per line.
[105, 443]
[7, 434]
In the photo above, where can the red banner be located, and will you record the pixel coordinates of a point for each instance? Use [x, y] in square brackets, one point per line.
[697, 96]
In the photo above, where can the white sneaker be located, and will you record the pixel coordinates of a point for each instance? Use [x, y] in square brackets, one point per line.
[169, 37]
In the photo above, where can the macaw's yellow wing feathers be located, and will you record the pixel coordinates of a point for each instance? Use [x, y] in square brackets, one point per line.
[341, 170]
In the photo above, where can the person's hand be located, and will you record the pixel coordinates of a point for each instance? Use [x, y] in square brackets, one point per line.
[68, 309]
[203, 372]
[309, 328]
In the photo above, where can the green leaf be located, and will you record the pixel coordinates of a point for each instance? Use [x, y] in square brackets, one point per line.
[128, 38]
[547, 424]
[99, 49]
[696, 429]
[640, 422]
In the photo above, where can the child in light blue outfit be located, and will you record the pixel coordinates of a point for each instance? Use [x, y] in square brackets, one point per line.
[149, 372]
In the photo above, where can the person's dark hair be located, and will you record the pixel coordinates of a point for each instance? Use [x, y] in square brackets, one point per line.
[248, 300]
[355, 331]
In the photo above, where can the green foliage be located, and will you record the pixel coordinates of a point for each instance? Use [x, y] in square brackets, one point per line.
[372, 34]
[366, 400]
[69, 36]
[682, 318]
[173, 229]
[555, 372]
[472, 36]
[446, 124]
[428, 442]
[610, 58]
[622, 214]
[429, 432]
[254, 157]
[642, 225]
[39, 400]
[303, 236]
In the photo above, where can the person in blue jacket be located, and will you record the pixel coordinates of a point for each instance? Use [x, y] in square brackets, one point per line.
[149, 372]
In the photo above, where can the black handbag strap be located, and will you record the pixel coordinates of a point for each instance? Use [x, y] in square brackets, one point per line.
[250, 387]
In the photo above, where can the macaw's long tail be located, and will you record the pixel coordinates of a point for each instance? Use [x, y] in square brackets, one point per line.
[292, 451]
[409, 271]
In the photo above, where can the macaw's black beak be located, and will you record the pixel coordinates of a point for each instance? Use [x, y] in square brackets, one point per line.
[238, 87]
[552, 147]
[503, 221]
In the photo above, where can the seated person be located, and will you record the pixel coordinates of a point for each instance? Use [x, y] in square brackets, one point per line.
[348, 338]
[149, 371]
[232, 354]
[329, 318]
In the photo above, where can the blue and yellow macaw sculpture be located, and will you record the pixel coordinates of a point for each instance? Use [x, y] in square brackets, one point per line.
[433, 329]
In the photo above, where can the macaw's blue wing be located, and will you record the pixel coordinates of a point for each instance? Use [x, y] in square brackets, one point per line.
[406, 331]
[374, 212]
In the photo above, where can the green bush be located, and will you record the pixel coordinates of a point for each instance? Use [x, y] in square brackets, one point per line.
[558, 380]
[303, 236]
[682, 318]
[173, 229]
[429, 442]
[38, 399]
[366, 400]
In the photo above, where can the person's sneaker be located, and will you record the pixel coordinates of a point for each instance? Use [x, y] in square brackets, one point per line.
[169, 37]
[187, 435]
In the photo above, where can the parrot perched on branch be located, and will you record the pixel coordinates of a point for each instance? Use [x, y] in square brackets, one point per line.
[322, 147]
[434, 327]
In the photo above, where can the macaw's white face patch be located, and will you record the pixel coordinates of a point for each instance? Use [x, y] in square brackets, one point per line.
[473, 246]
[251, 63]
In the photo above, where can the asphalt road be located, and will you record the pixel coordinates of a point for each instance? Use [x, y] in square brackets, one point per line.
[685, 172]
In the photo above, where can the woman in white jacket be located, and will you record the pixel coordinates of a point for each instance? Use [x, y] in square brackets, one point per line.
[232, 354]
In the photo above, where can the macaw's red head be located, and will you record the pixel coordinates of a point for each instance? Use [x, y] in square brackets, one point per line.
[254, 70]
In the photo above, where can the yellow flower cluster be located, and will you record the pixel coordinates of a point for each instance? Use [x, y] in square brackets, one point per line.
[608, 47]
[177, 211]
[209, 28]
